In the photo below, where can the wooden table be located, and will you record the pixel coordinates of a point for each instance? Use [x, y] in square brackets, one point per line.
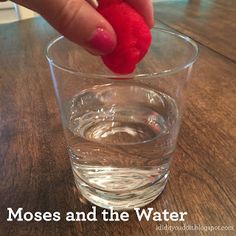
[35, 172]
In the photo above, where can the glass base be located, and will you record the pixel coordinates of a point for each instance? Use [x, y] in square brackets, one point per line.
[122, 200]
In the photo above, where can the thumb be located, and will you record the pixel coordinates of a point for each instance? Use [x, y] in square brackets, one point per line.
[79, 22]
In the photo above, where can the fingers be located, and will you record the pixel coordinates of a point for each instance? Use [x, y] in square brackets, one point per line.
[81, 23]
[145, 8]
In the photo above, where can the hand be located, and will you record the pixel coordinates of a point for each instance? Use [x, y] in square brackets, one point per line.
[80, 22]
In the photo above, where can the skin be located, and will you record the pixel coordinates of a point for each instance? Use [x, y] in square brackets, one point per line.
[67, 15]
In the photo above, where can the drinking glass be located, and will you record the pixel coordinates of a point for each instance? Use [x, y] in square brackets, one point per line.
[121, 130]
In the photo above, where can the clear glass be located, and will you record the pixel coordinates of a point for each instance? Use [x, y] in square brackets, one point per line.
[121, 130]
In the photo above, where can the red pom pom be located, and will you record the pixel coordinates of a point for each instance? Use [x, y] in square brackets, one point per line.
[133, 35]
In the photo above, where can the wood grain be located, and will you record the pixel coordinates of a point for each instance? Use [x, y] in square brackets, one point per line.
[212, 23]
[35, 171]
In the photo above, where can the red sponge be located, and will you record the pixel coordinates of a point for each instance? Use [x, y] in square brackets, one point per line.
[133, 35]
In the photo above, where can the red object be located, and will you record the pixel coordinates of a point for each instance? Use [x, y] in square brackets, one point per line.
[133, 35]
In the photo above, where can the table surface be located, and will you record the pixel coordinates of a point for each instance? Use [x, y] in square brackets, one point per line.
[35, 171]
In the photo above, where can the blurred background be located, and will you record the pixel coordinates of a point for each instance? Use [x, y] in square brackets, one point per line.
[10, 12]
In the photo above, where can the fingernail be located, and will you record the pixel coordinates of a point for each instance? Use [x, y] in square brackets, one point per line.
[101, 42]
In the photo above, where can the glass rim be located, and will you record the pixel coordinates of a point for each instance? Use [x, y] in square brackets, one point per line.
[162, 73]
